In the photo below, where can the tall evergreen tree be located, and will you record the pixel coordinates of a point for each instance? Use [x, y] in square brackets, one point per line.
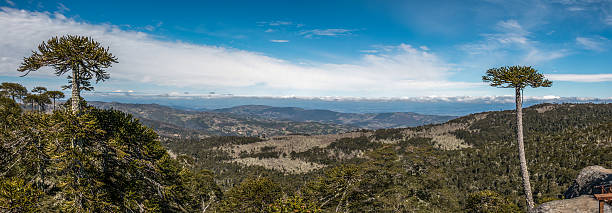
[80, 55]
[518, 77]
[30, 99]
[41, 98]
[54, 95]
[13, 90]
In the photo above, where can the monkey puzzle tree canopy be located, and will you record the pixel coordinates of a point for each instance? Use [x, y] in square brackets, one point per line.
[81, 55]
[39, 90]
[54, 95]
[13, 90]
[515, 77]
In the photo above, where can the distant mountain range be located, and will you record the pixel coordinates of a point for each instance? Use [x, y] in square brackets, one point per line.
[168, 121]
[364, 121]
[258, 120]
[455, 106]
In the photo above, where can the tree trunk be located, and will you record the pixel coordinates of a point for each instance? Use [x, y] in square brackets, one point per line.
[521, 147]
[53, 104]
[76, 97]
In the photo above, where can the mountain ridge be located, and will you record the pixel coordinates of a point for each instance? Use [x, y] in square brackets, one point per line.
[168, 121]
[259, 120]
[361, 120]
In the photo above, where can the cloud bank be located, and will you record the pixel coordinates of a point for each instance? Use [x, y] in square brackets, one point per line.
[580, 77]
[394, 71]
[511, 36]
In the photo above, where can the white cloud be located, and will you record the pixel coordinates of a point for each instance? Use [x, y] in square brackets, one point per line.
[9, 2]
[607, 20]
[61, 8]
[151, 27]
[595, 43]
[512, 26]
[512, 37]
[576, 9]
[580, 77]
[326, 32]
[275, 23]
[404, 70]
[503, 99]
[536, 55]
[279, 23]
[279, 41]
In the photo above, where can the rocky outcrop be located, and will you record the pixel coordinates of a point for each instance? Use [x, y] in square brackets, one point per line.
[584, 203]
[588, 178]
[579, 196]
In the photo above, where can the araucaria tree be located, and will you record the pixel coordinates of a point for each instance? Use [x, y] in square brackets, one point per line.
[54, 95]
[80, 55]
[13, 90]
[518, 77]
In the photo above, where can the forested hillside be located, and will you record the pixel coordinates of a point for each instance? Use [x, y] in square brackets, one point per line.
[169, 121]
[364, 121]
[104, 160]
[258, 120]
[96, 161]
[443, 167]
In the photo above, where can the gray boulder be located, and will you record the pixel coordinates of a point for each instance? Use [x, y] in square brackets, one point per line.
[579, 197]
[584, 203]
[588, 178]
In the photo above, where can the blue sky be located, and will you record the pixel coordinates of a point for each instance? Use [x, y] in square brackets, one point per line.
[323, 48]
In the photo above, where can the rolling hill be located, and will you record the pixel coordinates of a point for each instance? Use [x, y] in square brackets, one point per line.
[438, 165]
[365, 121]
[174, 122]
[258, 120]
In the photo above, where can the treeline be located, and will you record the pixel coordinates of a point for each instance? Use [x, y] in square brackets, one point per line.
[38, 96]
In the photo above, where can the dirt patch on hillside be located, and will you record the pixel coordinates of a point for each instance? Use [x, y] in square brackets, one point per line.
[544, 109]
[440, 134]
[285, 165]
[287, 144]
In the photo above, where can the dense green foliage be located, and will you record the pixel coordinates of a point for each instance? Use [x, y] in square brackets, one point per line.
[515, 77]
[102, 160]
[252, 195]
[413, 175]
[13, 90]
[489, 201]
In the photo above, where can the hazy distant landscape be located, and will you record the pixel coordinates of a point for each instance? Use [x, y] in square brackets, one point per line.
[452, 106]
[259, 120]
